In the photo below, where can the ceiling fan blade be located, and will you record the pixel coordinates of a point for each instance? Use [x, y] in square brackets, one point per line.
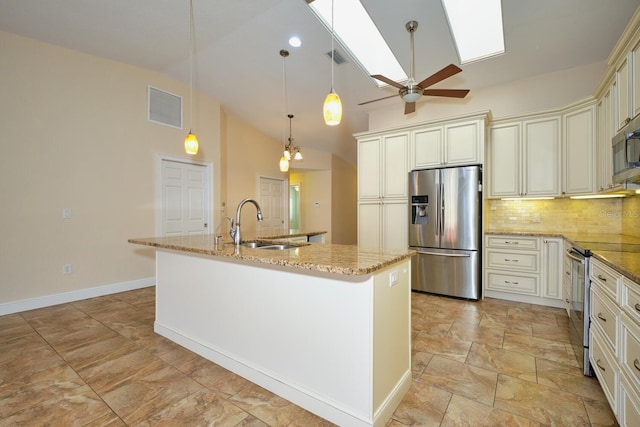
[451, 93]
[379, 99]
[445, 73]
[409, 107]
[387, 81]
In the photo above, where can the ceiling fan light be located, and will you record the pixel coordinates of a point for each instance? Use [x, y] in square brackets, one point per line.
[191, 143]
[411, 97]
[284, 164]
[332, 109]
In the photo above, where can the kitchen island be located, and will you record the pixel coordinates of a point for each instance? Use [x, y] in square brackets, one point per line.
[325, 326]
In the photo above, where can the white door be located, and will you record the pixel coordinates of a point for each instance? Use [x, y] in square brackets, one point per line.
[185, 198]
[272, 203]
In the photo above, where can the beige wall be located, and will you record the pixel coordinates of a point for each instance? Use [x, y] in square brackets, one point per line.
[75, 135]
[344, 207]
[565, 215]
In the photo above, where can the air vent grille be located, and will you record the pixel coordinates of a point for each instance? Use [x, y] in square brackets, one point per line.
[337, 58]
[164, 108]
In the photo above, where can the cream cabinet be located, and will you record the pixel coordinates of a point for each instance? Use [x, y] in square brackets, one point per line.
[382, 191]
[524, 268]
[614, 338]
[605, 120]
[635, 80]
[524, 157]
[579, 149]
[453, 143]
[566, 279]
[624, 88]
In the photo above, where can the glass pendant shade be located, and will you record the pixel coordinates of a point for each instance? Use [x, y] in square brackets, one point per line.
[332, 109]
[191, 143]
[284, 164]
[298, 156]
[287, 154]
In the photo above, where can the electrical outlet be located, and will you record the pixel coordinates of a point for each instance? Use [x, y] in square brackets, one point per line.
[393, 278]
[66, 269]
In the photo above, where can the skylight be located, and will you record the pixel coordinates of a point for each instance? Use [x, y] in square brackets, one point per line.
[476, 26]
[356, 31]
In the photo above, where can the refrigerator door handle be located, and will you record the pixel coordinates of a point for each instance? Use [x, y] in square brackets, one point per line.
[443, 254]
[441, 209]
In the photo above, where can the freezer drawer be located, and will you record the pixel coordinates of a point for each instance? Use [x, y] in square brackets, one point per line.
[446, 272]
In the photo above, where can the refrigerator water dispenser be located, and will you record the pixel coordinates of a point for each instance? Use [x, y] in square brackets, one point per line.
[419, 209]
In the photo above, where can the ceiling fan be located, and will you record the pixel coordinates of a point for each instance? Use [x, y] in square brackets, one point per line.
[412, 91]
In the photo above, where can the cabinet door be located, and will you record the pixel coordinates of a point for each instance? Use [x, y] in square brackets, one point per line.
[395, 218]
[369, 222]
[635, 80]
[395, 165]
[603, 142]
[578, 143]
[504, 161]
[622, 78]
[541, 157]
[369, 176]
[427, 148]
[463, 142]
[552, 268]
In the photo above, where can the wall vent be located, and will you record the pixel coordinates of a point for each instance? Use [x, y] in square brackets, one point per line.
[337, 58]
[164, 108]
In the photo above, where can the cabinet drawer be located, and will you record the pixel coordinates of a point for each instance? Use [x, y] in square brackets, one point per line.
[510, 283]
[629, 405]
[520, 261]
[605, 317]
[513, 242]
[631, 299]
[604, 366]
[630, 350]
[605, 278]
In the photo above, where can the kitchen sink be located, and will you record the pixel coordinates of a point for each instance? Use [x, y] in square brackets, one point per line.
[269, 246]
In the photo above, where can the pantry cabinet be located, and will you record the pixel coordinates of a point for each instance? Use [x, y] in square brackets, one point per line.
[524, 157]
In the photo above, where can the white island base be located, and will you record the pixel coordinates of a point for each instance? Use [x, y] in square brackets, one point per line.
[337, 345]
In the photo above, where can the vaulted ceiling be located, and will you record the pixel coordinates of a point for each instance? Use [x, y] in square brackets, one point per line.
[238, 43]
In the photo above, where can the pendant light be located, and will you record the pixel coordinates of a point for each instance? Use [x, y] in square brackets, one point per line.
[191, 140]
[284, 161]
[332, 108]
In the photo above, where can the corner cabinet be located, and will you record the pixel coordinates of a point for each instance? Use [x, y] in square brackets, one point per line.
[384, 160]
[524, 157]
[579, 149]
[382, 191]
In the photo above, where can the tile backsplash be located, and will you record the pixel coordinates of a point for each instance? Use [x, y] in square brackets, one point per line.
[565, 215]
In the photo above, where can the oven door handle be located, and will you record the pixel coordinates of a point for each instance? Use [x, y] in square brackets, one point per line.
[570, 254]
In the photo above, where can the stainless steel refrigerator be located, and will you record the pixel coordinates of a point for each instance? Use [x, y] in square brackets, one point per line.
[445, 229]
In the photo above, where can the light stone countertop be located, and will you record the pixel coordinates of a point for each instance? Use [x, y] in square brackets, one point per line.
[321, 257]
[627, 263]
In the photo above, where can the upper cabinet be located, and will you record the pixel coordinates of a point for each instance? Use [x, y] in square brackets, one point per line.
[383, 166]
[449, 144]
[579, 150]
[524, 157]
[624, 100]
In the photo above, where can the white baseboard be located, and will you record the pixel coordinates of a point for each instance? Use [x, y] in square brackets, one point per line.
[65, 297]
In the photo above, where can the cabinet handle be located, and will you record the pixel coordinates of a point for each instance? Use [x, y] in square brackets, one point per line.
[567, 273]
[599, 365]
[601, 317]
[567, 301]
[510, 260]
[510, 243]
[636, 363]
[510, 283]
[604, 279]
[637, 306]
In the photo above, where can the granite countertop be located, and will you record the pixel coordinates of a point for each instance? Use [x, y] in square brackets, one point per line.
[322, 257]
[627, 263]
[285, 235]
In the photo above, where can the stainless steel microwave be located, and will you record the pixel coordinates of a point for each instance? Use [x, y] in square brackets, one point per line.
[626, 153]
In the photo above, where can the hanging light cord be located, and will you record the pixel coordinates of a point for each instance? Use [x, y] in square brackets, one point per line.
[332, 47]
[285, 105]
[191, 43]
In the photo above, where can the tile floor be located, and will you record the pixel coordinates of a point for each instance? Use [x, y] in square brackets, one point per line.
[97, 362]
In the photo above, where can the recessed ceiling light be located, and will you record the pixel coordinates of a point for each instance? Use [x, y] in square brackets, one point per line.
[476, 27]
[295, 41]
[358, 34]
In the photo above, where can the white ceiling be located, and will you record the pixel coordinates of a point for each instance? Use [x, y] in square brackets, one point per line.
[238, 43]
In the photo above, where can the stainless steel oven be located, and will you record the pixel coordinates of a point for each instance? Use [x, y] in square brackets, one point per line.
[579, 311]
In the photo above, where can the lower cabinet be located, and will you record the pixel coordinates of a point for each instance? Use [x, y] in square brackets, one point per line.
[614, 338]
[383, 224]
[524, 268]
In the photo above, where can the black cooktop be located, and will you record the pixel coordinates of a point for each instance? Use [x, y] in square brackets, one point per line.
[613, 247]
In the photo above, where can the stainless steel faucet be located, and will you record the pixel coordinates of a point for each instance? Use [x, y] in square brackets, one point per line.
[234, 232]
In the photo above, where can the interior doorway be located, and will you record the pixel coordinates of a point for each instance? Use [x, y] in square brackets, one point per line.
[274, 206]
[184, 197]
[294, 206]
